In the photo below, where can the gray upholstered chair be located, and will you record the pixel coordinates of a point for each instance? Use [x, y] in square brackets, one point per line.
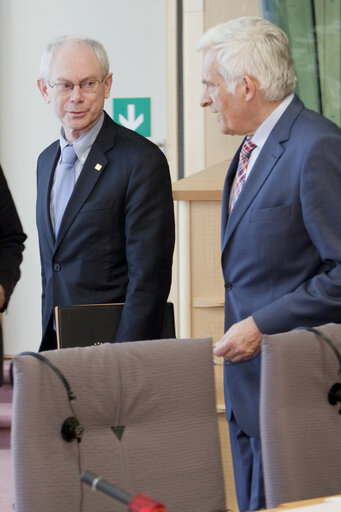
[148, 412]
[300, 429]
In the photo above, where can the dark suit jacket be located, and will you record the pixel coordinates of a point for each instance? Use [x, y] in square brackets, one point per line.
[12, 240]
[281, 245]
[116, 239]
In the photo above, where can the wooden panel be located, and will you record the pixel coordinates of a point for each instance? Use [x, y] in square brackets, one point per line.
[206, 185]
[208, 322]
[206, 274]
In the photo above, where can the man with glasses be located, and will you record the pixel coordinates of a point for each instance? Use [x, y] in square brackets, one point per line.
[104, 203]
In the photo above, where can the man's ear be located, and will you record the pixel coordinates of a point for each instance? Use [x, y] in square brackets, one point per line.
[43, 88]
[250, 87]
[107, 85]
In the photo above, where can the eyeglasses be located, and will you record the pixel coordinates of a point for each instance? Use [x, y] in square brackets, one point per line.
[87, 86]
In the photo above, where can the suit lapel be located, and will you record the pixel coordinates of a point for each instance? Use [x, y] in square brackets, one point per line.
[266, 160]
[260, 171]
[226, 194]
[48, 165]
[93, 168]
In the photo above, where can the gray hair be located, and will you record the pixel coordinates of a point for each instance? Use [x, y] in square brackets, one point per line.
[255, 47]
[52, 48]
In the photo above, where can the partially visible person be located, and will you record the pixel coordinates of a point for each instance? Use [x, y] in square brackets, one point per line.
[108, 235]
[281, 221]
[12, 240]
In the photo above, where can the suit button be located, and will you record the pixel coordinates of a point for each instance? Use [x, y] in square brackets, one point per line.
[56, 267]
[228, 286]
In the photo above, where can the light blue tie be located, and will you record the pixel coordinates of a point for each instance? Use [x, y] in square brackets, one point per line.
[65, 182]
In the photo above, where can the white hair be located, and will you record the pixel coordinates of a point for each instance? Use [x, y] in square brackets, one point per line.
[52, 48]
[255, 47]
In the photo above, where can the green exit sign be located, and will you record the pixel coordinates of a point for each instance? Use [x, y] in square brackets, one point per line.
[133, 113]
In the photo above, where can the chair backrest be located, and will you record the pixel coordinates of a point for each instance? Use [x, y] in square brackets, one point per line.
[148, 412]
[300, 429]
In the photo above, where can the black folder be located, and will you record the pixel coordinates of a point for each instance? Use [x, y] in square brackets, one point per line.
[94, 324]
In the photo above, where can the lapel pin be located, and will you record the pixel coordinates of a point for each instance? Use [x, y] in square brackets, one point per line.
[98, 167]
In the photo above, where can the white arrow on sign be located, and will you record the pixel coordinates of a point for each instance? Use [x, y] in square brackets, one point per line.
[131, 122]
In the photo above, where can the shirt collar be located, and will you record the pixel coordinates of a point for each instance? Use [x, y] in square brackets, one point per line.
[83, 144]
[264, 130]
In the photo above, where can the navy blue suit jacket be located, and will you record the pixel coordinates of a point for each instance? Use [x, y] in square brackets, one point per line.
[281, 244]
[116, 239]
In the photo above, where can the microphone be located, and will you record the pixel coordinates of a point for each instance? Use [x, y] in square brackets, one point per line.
[138, 503]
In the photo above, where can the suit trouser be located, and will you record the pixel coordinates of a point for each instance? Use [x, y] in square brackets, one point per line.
[248, 469]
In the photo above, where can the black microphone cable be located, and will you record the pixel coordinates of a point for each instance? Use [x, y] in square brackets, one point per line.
[71, 429]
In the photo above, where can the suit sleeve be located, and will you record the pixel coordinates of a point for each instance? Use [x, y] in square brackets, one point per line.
[12, 240]
[317, 300]
[150, 233]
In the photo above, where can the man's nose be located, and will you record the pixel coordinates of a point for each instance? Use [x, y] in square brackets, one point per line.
[205, 99]
[76, 93]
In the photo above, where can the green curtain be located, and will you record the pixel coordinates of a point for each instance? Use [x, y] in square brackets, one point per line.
[314, 31]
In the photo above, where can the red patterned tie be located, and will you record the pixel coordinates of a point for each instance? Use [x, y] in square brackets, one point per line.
[244, 156]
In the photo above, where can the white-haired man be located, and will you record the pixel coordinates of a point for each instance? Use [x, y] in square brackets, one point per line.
[104, 204]
[281, 222]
